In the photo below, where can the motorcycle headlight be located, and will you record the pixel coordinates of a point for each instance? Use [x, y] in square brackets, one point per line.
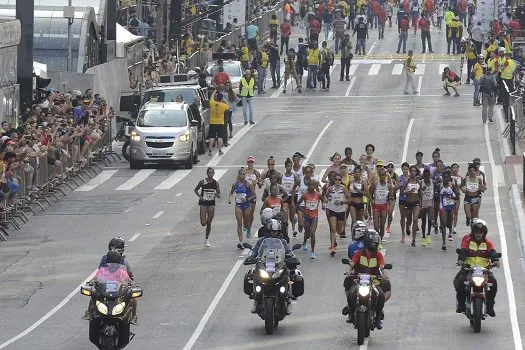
[102, 308]
[185, 137]
[478, 280]
[117, 310]
[364, 290]
[134, 136]
[263, 274]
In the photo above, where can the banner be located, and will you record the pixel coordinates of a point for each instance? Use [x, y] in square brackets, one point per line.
[235, 9]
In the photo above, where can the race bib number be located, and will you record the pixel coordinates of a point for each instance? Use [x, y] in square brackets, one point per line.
[312, 205]
[447, 201]
[276, 208]
[472, 187]
[357, 186]
[209, 196]
[240, 197]
[288, 186]
[382, 194]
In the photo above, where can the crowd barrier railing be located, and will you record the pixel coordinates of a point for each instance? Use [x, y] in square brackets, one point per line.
[35, 184]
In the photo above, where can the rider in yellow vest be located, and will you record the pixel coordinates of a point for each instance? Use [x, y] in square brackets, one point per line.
[246, 91]
[368, 261]
[508, 68]
[477, 251]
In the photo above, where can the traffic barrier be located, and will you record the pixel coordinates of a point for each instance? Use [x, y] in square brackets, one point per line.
[35, 184]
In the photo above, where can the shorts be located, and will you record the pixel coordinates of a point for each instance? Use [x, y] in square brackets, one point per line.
[377, 208]
[358, 206]
[309, 219]
[299, 69]
[340, 216]
[216, 131]
[471, 200]
[289, 200]
[206, 204]
[411, 205]
[402, 202]
[243, 206]
[448, 208]
[252, 44]
[427, 203]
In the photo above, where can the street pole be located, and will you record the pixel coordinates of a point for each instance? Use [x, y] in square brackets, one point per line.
[69, 39]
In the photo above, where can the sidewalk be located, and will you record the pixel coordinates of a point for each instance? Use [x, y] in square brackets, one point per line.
[513, 169]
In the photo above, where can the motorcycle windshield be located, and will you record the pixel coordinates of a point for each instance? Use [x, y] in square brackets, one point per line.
[272, 249]
[111, 278]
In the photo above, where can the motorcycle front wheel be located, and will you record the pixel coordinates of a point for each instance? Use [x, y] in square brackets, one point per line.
[125, 150]
[362, 326]
[269, 315]
[476, 314]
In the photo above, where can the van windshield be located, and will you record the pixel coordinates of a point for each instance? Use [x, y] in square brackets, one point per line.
[162, 118]
[188, 95]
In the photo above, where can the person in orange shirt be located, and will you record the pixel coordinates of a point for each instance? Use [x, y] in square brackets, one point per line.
[312, 198]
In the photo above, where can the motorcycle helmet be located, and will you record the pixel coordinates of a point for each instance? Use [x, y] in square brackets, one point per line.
[118, 244]
[274, 228]
[477, 226]
[372, 240]
[113, 257]
[266, 214]
[358, 230]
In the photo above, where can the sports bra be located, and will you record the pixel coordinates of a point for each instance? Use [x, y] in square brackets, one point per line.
[288, 182]
[381, 193]
[353, 192]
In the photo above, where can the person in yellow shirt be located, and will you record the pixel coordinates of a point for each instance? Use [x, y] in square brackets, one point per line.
[313, 65]
[218, 109]
[244, 55]
[507, 68]
[470, 55]
[477, 74]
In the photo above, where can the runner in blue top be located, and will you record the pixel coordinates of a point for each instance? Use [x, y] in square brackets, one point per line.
[244, 194]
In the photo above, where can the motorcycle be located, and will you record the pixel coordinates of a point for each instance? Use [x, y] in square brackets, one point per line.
[476, 285]
[274, 282]
[124, 135]
[364, 317]
[109, 327]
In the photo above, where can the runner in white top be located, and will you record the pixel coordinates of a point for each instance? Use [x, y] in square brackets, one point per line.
[379, 191]
[288, 181]
[254, 177]
[427, 206]
[456, 180]
[336, 197]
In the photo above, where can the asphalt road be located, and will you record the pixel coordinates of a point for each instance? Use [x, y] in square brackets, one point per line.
[193, 295]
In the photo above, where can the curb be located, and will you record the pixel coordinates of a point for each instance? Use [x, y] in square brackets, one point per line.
[514, 192]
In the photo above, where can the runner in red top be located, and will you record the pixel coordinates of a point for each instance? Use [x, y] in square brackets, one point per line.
[286, 30]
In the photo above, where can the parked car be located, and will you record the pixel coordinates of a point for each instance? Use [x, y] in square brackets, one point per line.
[191, 93]
[166, 133]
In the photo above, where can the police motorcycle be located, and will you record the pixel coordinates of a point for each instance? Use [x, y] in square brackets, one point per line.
[477, 285]
[364, 317]
[273, 282]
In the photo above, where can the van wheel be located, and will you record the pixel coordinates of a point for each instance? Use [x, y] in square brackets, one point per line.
[189, 162]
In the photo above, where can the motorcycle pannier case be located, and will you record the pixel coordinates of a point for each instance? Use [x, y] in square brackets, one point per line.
[248, 282]
[298, 283]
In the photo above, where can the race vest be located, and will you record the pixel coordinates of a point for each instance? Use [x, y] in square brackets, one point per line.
[247, 88]
[365, 262]
[245, 54]
[479, 252]
[313, 57]
[264, 59]
[507, 72]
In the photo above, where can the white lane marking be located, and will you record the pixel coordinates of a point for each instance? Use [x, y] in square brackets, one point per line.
[504, 251]
[398, 69]
[407, 140]
[219, 173]
[139, 177]
[464, 69]
[173, 179]
[370, 61]
[104, 176]
[374, 69]
[135, 236]
[217, 158]
[365, 345]
[178, 194]
[442, 67]
[316, 142]
[420, 69]
[321, 174]
[281, 88]
[353, 68]
[48, 314]
[213, 305]
[350, 86]
[371, 48]
[158, 215]
[419, 84]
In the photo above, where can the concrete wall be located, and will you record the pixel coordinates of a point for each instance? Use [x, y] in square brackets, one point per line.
[73, 80]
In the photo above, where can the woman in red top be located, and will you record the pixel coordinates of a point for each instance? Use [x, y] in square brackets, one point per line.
[311, 198]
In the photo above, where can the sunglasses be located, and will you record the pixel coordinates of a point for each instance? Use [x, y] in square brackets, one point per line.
[337, 179]
[389, 166]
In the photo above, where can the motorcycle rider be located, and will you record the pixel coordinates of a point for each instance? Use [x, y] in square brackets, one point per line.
[371, 261]
[266, 214]
[478, 251]
[108, 271]
[118, 244]
[359, 231]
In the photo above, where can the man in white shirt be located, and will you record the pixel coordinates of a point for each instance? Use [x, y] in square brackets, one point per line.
[477, 37]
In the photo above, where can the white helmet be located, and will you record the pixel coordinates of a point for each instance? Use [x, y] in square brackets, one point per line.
[273, 225]
[266, 214]
[358, 230]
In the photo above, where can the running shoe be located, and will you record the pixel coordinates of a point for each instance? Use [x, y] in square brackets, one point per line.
[453, 231]
[305, 247]
[206, 243]
[312, 256]
[388, 230]
[248, 233]
[443, 247]
[294, 234]
[450, 238]
[413, 244]
[239, 245]
[429, 239]
[332, 252]
[424, 241]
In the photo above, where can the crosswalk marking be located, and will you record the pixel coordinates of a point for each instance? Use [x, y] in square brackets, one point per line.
[135, 180]
[353, 68]
[464, 69]
[420, 68]
[442, 67]
[173, 179]
[398, 69]
[104, 176]
[374, 69]
[219, 173]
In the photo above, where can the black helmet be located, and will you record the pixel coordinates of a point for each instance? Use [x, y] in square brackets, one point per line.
[478, 225]
[372, 240]
[117, 244]
[113, 257]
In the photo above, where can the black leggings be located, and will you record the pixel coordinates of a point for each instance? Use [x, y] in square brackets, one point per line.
[227, 125]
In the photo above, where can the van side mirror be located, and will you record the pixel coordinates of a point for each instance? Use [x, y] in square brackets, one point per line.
[388, 267]
[345, 261]
[194, 123]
